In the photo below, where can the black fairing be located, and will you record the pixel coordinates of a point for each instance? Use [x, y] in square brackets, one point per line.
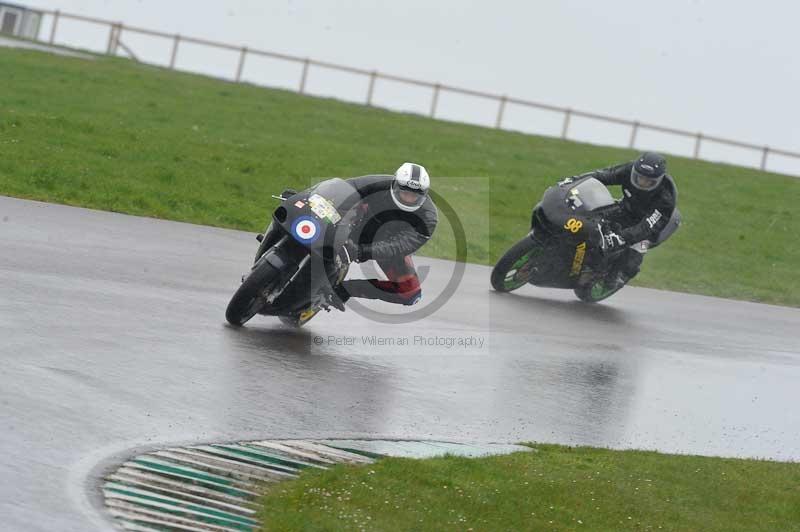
[321, 271]
[562, 223]
[339, 193]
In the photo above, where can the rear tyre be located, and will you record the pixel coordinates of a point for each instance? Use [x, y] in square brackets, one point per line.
[248, 299]
[598, 290]
[514, 268]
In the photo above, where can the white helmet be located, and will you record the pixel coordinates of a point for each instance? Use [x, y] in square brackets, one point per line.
[410, 187]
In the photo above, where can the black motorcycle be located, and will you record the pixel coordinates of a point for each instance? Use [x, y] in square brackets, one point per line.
[562, 249]
[297, 265]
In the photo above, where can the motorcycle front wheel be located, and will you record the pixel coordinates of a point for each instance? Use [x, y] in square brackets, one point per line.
[514, 268]
[249, 297]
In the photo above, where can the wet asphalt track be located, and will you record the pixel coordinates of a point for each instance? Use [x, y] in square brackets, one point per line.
[113, 341]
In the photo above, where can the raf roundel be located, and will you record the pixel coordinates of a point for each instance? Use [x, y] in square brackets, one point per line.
[306, 229]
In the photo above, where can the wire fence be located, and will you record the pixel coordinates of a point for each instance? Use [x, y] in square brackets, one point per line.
[118, 29]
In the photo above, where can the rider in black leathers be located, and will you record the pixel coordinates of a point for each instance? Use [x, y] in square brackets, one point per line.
[398, 218]
[649, 199]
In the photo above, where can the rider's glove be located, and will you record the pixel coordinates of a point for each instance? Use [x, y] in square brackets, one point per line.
[349, 252]
[288, 193]
[609, 239]
[566, 181]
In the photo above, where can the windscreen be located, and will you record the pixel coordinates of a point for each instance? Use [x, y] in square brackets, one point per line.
[590, 194]
[338, 192]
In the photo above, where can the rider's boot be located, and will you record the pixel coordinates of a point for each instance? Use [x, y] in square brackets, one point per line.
[627, 267]
[339, 297]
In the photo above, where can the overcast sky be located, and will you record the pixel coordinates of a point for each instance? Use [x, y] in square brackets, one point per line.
[726, 68]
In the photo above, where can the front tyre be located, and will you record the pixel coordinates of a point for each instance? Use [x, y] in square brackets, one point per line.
[514, 268]
[249, 299]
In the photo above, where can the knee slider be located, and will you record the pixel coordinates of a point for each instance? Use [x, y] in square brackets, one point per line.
[414, 299]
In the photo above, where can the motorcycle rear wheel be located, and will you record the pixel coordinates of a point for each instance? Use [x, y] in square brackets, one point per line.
[513, 269]
[597, 291]
[248, 299]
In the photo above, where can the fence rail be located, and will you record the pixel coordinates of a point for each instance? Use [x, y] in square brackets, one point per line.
[115, 42]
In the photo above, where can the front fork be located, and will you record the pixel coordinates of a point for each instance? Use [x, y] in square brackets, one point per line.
[287, 269]
[290, 272]
[274, 294]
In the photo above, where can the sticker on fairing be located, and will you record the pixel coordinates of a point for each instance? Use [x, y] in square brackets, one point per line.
[324, 208]
[306, 229]
[577, 262]
[299, 204]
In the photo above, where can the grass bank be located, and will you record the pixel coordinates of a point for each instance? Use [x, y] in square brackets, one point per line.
[114, 135]
[556, 488]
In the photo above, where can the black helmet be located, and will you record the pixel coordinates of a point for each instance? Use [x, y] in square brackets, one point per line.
[648, 171]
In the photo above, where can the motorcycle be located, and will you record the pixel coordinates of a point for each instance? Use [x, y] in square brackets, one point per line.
[561, 250]
[297, 265]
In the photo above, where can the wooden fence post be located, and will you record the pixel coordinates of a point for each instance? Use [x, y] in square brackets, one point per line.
[434, 100]
[117, 37]
[304, 76]
[500, 110]
[54, 26]
[175, 43]
[112, 32]
[240, 68]
[565, 127]
[764, 155]
[371, 87]
[634, 131]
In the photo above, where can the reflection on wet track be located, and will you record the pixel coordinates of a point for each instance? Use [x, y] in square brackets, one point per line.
[114, 340]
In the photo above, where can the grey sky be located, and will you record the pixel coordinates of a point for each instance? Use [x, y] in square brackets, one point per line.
[726, 68]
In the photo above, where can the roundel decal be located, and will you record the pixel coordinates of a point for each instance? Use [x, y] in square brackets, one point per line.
[306, 229]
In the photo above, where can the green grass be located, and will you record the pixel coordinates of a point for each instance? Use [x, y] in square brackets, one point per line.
[113, 135]
[556, 488]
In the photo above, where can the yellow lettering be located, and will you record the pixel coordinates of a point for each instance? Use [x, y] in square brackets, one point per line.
[577, 262]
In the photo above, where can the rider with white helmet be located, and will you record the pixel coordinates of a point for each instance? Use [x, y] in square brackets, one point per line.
[410, 187]
[399, 217]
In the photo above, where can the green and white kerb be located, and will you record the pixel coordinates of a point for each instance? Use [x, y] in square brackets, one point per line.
[213, 487]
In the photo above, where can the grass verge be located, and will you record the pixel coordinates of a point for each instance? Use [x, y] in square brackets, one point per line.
[556, 488]
[114, 135]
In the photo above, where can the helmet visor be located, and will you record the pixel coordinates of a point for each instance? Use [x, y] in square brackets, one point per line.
[644, 182]
[407, 198]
